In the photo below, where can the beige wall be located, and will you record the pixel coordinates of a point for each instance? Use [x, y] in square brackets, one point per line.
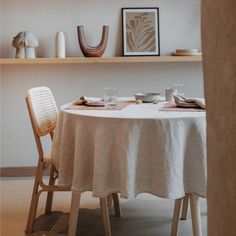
[179, 28]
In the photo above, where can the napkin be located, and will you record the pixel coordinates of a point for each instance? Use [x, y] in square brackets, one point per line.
[84, 100]
[182, 101]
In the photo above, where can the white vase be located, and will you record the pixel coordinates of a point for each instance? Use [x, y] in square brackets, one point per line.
[60, 46]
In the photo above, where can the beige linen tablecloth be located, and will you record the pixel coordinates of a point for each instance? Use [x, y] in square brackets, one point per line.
[137, 149]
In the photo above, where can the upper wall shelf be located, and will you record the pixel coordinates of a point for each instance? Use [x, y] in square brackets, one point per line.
[86, 60]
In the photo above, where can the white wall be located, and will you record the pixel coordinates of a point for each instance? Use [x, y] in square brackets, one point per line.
[179, 28]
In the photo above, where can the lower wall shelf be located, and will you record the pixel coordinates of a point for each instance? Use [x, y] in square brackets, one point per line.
[102, 60]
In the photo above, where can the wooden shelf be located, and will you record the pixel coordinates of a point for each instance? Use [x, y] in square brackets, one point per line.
[102, 60]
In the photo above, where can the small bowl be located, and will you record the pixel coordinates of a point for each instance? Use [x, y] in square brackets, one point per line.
[187, 50]
[146, 97]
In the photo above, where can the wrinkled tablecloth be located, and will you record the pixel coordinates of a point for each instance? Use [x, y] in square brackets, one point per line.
[137, 149]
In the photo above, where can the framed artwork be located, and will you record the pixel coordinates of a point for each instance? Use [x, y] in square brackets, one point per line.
[140, 32]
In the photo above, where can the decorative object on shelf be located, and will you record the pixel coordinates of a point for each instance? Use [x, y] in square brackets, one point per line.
[60, 45]
[95, 51]
[25, 43]
[187, 52]
[140, 31]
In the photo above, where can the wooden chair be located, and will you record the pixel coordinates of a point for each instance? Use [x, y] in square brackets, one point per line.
[43, 116]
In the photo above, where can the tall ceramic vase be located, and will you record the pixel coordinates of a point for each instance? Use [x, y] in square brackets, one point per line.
[60, 45]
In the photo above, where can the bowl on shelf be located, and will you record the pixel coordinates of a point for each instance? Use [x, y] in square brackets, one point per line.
[187, 52]
[146, 97]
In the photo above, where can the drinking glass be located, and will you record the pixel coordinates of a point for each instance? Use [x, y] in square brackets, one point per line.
[110, 98]
[178, 89]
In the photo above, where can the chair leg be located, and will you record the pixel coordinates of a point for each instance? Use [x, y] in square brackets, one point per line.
[33, 207]
[105, 217]
[176, 215]
[50, 194]
[109, 200]
[185, 208]
[116, 201]
[35, 198]
[196, 216]
[74, 213]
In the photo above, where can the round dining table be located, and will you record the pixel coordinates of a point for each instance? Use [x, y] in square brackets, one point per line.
[138, 148]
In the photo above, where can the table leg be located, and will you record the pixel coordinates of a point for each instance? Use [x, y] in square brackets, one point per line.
[176, 215]
[196, 216]
[109, 200]
[105, 216]
[185, 208]
[116, 204]
[74, 213]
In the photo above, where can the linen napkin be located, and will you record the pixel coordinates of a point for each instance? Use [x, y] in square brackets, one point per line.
[88, 100]
[182, 101]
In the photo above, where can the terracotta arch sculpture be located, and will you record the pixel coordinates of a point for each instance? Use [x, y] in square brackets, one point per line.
[92, 51]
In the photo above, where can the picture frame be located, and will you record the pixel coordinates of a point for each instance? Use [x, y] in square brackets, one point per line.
[140, 31]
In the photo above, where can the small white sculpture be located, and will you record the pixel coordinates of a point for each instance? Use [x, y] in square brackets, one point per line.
[25, 43]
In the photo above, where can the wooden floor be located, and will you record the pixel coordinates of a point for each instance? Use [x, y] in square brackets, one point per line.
[143, 216]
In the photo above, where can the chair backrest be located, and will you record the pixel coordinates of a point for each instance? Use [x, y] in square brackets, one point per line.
[42, 110]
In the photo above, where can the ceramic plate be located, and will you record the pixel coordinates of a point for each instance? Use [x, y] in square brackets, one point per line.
[95, 104]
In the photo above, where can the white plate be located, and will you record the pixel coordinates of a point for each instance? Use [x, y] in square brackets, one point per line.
[95, 104]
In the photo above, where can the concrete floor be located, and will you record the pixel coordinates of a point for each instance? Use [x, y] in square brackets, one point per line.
[146, 215]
